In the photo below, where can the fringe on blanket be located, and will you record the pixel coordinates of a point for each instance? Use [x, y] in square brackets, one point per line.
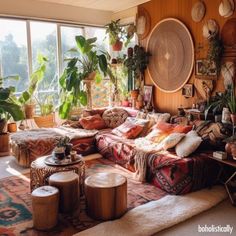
[140, 165]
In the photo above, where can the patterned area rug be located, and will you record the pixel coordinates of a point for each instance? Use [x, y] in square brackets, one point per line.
[16, 212]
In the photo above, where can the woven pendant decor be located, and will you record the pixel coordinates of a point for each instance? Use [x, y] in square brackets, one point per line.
[172, 55]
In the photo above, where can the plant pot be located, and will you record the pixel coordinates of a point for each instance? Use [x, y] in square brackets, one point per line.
[3, 126]
[233, 118]
[134, 94]
[12, 127]
[117, 46]
[45, 121]
[29, 111]
[125, 103]
[139, 105]
[4, 144]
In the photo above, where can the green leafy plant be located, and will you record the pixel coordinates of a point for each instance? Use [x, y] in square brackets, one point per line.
[231, 100]
[136, 64]
[46, 105]
[35, 78]
[9, 105]
[89, 64]
[117, 32]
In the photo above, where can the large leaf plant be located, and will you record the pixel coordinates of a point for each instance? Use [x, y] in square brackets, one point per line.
[9, 105]
[89, 60]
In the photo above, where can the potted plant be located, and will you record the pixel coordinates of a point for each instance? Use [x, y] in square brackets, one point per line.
[46, 107]
[9, 108]
[232, 104]
[136, 64]
[118, 34]
[81, 70]
[26, 98]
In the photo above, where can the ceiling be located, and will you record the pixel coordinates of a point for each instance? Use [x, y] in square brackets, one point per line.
[106, 5]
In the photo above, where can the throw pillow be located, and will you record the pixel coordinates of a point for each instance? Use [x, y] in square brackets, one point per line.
[156, 136]
[172, 140]
[114, 117]
[188, 144]
[128, 130]
[87, 112]
[141, 122]
[182, 129]
[93, 122]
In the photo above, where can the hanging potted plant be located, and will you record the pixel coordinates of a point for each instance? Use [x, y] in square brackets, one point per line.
[119, 34]
[89, 65]
[26, 98]
[9, 108]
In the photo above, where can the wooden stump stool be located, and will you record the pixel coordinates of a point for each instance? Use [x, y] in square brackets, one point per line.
[68, 185]
[106, 195]
[45, 201]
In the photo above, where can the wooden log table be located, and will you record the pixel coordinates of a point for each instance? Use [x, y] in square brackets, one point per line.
[40, 172]
[106, 195]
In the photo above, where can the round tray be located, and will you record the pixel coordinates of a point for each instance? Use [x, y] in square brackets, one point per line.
[53, 161]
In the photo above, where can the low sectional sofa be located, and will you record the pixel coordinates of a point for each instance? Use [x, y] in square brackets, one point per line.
[163, 168]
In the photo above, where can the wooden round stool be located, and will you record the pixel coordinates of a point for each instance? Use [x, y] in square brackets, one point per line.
[68, 185]
[45, 201]
[106, 195]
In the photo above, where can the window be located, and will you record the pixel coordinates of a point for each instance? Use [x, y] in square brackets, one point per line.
[13, 52]
[68, 41]
[44, 41]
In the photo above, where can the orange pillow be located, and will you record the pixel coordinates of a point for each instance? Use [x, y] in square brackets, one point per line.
[128, 130]
[93, 122]
[182, 129]
[164, 127]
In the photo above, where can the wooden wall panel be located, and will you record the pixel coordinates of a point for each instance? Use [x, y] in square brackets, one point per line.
[181, 9]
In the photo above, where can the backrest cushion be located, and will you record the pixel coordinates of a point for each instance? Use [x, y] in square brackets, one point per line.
[93, 122]
[114, 117]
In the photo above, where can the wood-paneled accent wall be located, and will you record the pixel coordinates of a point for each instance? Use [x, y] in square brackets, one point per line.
[181, 9]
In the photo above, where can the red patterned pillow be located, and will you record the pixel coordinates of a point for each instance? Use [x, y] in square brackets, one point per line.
[93, 122]
[128, 130]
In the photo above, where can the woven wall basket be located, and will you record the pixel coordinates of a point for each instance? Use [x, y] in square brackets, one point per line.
[171, 46]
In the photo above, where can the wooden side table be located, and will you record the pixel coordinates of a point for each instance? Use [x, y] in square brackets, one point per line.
[230, 183]
[40, 172]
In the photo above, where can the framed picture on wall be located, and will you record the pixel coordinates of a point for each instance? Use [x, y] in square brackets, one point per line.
[205, 69]
[187, 90]
[147, 93]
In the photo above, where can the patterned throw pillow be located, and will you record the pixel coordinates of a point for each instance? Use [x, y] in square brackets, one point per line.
[172, 140]
[93, 122]
[114, 117]
[87, 112]
[188, 144]
[128, 130]
[158, 117]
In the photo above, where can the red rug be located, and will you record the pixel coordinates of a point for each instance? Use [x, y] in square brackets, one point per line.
[15, 203]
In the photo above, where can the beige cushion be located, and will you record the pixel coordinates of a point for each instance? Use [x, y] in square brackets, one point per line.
[114, 117]
[158, 117]
[172, 140]
[188, 144]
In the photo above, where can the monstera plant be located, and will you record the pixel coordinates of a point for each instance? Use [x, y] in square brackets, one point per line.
[89, 64]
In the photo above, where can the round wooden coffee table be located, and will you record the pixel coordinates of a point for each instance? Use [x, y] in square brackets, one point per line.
[40, 172]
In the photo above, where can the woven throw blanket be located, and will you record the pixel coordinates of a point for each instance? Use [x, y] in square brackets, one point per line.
[23, 137]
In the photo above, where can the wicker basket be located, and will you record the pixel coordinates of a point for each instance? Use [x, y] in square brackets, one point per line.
[47, 121]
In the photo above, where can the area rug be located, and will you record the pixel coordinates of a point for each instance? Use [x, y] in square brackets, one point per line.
[16, 212]
[155, 216]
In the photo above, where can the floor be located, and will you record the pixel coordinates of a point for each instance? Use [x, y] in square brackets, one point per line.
[220, 215]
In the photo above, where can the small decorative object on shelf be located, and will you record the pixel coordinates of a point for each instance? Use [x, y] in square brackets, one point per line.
[59, 152]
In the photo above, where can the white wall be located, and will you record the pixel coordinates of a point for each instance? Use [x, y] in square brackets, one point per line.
[38, 9]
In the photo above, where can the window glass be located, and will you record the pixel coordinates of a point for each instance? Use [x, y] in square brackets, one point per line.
[68, 41]
[44, 41]
[13, 52]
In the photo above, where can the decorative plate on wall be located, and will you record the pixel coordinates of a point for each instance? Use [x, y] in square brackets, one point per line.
[172, 55]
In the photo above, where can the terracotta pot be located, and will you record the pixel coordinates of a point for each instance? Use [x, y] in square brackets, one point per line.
[117, 46]
[3, 126]
[4, 144]
[139, 104]
[45, 121]
[233, 118]
[228, 148]
[233, 150]
[134, 93]
[29, 111]
[12, 127]
[125, 103]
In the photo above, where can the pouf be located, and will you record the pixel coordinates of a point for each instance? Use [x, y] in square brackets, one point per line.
[68, 185]
[106, 195]
[45, 201]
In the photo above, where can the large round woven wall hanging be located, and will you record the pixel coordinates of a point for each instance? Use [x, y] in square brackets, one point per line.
[172, 55]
